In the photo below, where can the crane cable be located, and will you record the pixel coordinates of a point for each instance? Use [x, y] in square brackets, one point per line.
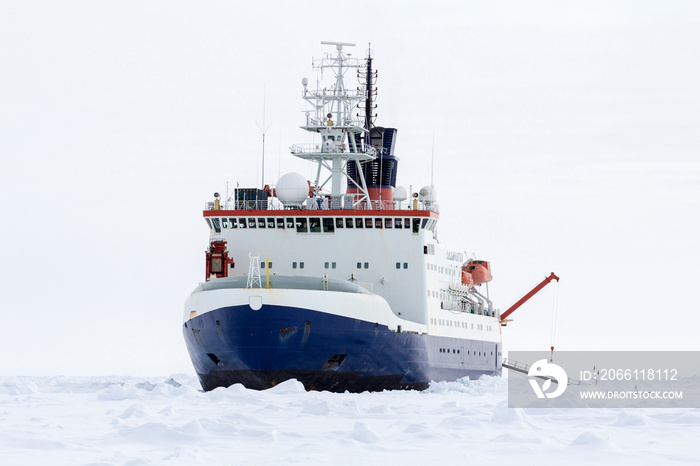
[554, 314]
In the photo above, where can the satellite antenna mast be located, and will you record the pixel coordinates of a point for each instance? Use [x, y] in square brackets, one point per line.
[368, 86]
[432, 161]
[263, 131]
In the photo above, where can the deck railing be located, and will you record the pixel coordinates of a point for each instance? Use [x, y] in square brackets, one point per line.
[348, 202]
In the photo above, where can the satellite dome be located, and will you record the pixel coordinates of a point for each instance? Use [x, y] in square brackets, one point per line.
[428, 195]
[292, 189]
[400, 194]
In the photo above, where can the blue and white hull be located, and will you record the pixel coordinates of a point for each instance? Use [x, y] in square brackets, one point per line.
[248, 336]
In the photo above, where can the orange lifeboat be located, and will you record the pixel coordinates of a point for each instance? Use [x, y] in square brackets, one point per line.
[479, 270]
[467, 279]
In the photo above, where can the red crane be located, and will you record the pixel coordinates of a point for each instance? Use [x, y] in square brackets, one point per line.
[529, 295]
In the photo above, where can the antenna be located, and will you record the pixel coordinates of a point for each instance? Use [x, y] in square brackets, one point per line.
[338, 45]
[432, 162]
[279, 157]
[263, 131]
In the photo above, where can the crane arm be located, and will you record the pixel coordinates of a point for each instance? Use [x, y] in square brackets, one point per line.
[529, 295]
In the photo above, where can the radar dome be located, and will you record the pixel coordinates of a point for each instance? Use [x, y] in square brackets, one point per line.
[428, 195]
[400, 194]
[292, 189]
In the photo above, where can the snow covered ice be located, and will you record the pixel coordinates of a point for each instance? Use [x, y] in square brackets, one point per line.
[117, 420]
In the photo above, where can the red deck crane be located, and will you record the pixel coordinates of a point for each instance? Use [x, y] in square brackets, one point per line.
[529, 295]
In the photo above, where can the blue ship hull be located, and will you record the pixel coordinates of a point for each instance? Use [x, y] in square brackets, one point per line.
[262, 348]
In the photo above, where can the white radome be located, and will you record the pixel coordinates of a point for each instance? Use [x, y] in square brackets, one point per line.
[400, 194]
[428, 194]
[292, 189]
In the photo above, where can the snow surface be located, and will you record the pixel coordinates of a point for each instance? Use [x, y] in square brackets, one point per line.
[127, 420]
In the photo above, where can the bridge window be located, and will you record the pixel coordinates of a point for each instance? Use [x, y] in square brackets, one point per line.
[301, 225]
[209, 223]
[425, 222]
[368, 223]
[232, 223]
[377, 223]
[339, 223]
[416, 225]
[358, 223]
[261, 222]
[280, 223]
[251, 223]
[387, 223]
[348, 223]
[242, 223]
[270, 222]
[407, 223]
[217, 225]
[315, 225]
[397, 223]
[224, 222]
[290, 222]
[328, 225]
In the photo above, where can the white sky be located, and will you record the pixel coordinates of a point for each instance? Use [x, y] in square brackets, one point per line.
[566, 140]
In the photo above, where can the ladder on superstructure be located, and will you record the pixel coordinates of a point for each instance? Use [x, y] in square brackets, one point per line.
[254, 271]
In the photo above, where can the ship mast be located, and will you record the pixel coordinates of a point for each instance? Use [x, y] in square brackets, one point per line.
[369, 86]
[331, 116]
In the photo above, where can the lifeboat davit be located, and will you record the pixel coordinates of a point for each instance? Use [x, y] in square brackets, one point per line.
[479, 270]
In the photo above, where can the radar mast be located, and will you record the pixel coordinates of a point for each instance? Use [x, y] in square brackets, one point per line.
[331, 116]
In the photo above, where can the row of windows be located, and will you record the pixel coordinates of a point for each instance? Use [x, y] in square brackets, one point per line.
[332, 265]
[445, 270]
[456, 351]
[320, 225]
[454, 323]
